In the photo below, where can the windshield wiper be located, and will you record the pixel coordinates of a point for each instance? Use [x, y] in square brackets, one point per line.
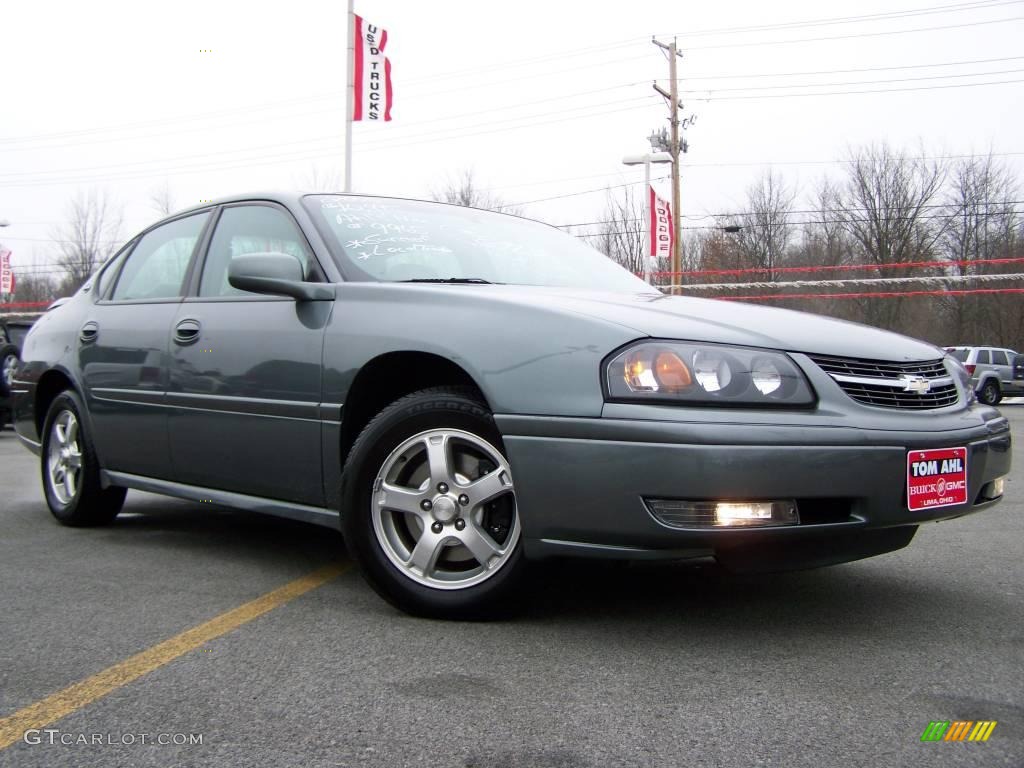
[469, 280]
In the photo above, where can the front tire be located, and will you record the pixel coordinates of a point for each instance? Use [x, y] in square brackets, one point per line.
[428, 507]
[71, 472]
[990, 393]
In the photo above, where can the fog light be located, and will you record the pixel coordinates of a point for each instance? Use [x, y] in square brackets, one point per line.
[994, 489]
[733, 513]
[678, 513]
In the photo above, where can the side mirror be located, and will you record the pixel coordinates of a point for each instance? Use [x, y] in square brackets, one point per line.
[276, 274]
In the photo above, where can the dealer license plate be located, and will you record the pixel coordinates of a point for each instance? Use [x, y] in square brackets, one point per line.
[936, 478]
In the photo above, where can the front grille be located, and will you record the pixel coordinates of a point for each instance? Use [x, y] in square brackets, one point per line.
[891, 385]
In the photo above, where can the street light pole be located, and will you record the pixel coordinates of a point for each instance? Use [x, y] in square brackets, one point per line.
[645, 161]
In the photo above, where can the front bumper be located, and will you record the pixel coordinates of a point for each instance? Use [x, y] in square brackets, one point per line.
[581, 484]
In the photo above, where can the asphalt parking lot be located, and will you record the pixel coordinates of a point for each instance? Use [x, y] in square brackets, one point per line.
[674, 665]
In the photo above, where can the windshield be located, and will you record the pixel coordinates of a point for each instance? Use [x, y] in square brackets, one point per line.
[402, 240]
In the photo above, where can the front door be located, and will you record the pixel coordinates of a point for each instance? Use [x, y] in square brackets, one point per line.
[245, 370]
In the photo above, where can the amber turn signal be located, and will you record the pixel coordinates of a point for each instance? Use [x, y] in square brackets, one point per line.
[671, 372]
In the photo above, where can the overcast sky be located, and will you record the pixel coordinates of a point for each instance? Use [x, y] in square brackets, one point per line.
[540, 99]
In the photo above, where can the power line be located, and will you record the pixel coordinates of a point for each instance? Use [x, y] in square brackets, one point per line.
[829, 211]
[908, 13]
[853, 93]
[860, 19]
[334, 138]
[305, 155]
[576, 194]
[709, 91]
[855, 70]
[854, 36]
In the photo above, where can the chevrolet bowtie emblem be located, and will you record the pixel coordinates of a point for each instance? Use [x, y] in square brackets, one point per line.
[917, 384]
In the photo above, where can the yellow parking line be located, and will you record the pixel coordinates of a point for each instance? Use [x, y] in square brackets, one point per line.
[74, 697]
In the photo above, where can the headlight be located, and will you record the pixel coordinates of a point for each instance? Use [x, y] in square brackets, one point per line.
[706, 374]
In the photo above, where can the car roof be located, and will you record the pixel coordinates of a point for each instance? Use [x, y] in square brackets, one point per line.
[294, 199]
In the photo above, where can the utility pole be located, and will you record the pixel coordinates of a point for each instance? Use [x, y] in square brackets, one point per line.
[674, 146]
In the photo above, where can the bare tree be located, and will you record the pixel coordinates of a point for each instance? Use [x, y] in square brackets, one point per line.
[320, 179]
[621, 234]
[766, 226]
[161, 199]
[824, 240]
[983, 224]
[90, 234]
[884, 208]
[36, 286]
[464, 190]
[885, 202]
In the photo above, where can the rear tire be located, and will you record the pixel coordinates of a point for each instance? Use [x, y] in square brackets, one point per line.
[71, 472]
[990, 393]
[428, 507]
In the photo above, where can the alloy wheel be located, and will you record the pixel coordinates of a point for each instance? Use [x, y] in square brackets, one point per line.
[64, 457]
[10, 367]
[444, 509]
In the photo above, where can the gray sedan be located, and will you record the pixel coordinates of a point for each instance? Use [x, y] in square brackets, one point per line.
[463, 392]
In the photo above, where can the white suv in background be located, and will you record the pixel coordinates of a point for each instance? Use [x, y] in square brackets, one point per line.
[993, 371]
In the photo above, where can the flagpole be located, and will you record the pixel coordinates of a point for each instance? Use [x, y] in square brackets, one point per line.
[351, 94]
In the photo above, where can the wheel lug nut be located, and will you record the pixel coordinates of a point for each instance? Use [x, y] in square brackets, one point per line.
[425, 505]
[442, 487]
[459, 524]
[437, 527]
[464, 500]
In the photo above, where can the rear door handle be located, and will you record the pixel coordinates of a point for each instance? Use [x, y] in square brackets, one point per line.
[187, 331]
[89, 332]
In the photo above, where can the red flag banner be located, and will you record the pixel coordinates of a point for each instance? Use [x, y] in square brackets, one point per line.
[660, 225]
[6, 273]
[371, 73]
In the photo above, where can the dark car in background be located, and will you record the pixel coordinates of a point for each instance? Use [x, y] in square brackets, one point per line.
[12, 335]
[463, 391]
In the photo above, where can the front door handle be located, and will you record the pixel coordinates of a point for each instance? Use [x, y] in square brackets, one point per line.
[90, 331]
[187, 331]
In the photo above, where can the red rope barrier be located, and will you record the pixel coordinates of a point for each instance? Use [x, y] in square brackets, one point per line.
[870, 295]
[840, 267]
[25, 305]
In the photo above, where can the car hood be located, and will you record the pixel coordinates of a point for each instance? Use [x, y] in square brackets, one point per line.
[726, 322]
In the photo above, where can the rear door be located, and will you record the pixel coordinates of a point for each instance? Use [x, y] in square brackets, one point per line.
[122, 347]
[245, 369]
[1002, 361]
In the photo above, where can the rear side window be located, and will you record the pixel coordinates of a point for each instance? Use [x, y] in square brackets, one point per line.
[156, 268]
[984, 358]
[999, 357]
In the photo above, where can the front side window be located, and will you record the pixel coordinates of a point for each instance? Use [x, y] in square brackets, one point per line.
[157, 266]
[999, 357]
[249, 229]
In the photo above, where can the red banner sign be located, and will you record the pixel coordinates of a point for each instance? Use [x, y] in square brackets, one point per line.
[660, 225]
[6, 273]
[371, 73]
